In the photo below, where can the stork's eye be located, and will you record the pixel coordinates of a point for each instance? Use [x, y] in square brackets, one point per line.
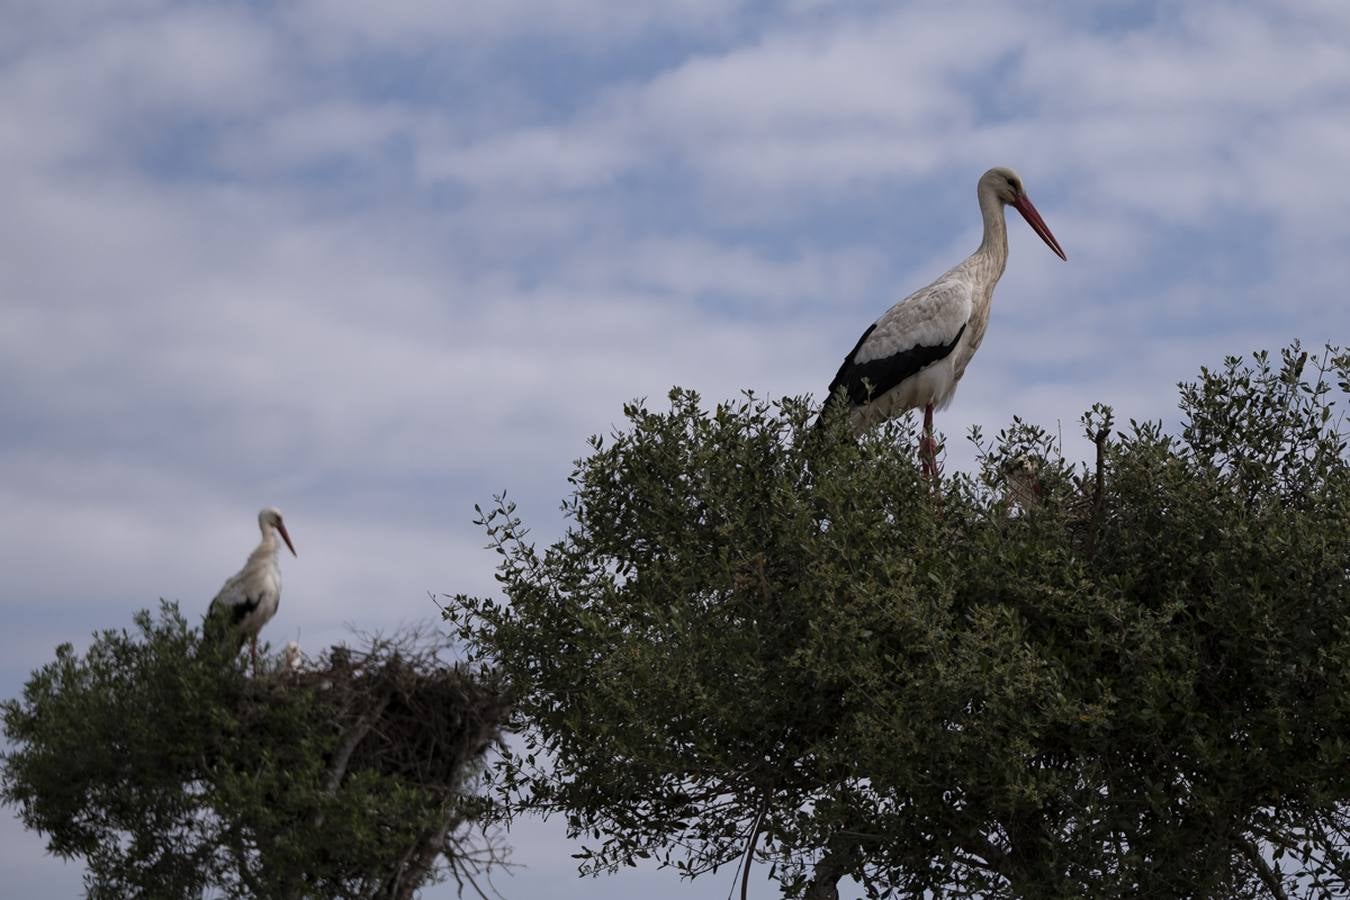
[1013, 185]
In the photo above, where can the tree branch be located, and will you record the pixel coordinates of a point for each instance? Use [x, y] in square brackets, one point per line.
[989, 855]
[1263, 871]
[833, 866]
[750, 847]
[343, 757]
[354, 737]
[1099, 489]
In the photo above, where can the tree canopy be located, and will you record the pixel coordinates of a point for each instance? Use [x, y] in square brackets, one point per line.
[156, 761]
[1124, 677]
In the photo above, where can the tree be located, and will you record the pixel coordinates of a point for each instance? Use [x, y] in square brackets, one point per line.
[1129, 678]
[172, 774]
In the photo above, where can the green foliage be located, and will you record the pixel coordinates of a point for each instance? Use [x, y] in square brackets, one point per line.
[172, 774]
[1123, 678]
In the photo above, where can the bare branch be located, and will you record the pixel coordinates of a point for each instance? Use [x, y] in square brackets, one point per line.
[1099, 489]
[1268, 877]
[750, 847]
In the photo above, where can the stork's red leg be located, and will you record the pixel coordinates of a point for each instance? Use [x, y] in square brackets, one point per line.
[927, 445]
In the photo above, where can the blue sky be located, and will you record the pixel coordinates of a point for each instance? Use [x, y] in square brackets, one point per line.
[374, 262]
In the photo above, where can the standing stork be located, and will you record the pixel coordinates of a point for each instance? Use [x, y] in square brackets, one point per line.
[913, 356]
[248, 600]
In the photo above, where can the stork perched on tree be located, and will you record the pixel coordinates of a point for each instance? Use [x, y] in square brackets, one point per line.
[913, 356]
[248, 600]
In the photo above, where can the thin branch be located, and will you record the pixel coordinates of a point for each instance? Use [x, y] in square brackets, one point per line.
[462, 874]
[750, 848]
[354, 737]
[344, 754]
[1099, 489]
[993, 858]
[1268, 877]
[832, 867]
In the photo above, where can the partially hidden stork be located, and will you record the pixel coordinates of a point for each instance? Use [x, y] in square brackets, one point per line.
[248, 600]
[914, 355]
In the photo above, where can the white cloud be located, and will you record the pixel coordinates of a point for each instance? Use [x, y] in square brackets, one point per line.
[534, 158]
[685, 268]
[1213, 115]
[205, 61]
[1219, 58]
[103, 91]
[818, 107]
[412, 23]
[1145, 118]
[314, 133]
[44, 23]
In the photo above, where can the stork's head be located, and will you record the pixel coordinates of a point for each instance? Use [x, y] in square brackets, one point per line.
[271, 518]
[1004, 182]
[1006, 185]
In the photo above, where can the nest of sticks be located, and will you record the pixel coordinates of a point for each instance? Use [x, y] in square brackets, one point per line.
[399, 710]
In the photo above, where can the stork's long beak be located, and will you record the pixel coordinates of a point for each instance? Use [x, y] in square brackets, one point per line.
[1028, 211]
[281, 527]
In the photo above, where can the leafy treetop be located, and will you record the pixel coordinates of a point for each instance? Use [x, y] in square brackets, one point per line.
[155, 760]
[1124, 678]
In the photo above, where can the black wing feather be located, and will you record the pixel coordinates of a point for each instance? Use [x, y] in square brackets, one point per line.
[235, 613]
[223, 620]
[239, 612]
[864, 381]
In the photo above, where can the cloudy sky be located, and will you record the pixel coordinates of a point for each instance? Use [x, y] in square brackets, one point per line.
[374, 262]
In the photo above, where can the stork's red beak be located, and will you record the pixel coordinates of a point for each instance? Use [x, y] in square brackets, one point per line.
[1028, 211]
[281, 527]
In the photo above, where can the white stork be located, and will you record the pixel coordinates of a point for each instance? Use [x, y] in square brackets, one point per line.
[248, 600]
[913, 356]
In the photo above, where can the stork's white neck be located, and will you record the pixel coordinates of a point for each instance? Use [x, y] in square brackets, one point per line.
[266, 551]
[994, 248]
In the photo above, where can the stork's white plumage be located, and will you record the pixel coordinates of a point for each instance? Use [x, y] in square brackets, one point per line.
[914, 355]
[248, 600]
